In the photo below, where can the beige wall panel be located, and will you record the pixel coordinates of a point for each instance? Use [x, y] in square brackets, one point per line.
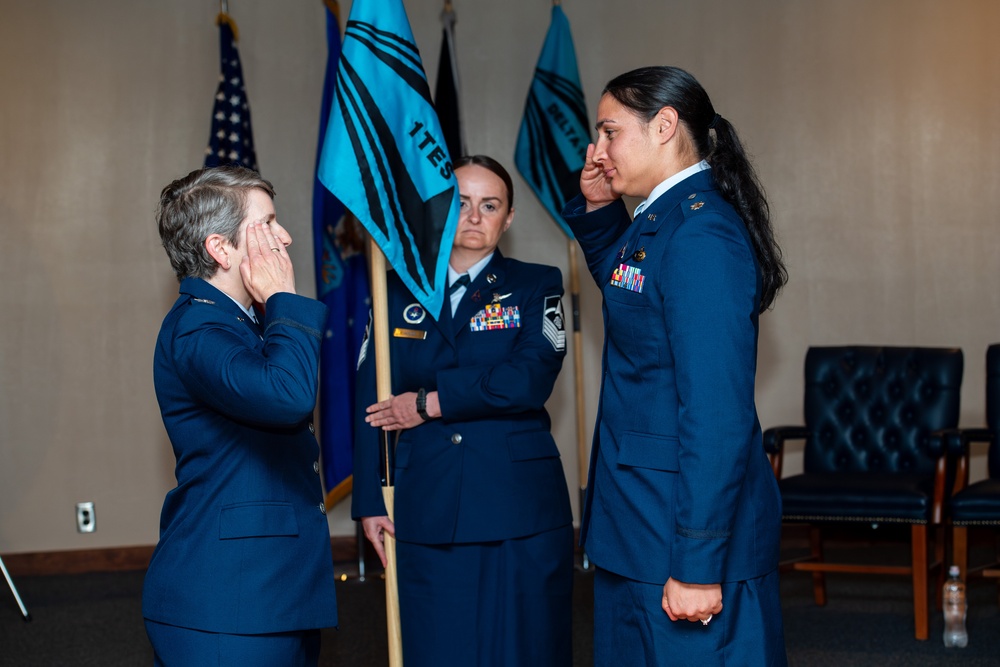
[874, 125]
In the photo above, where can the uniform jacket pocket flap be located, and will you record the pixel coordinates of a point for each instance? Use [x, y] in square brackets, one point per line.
[531, 445]
[643, 450]
[257, 520]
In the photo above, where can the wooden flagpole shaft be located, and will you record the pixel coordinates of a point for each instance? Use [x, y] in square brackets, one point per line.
[392, 589]
[383, 383]
[583, 460]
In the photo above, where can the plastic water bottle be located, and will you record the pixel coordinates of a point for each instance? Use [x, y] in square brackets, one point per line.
[955, 607]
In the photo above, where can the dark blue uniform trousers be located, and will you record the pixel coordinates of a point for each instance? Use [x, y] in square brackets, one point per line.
[184, 647]
[631, 628]
[505, 603]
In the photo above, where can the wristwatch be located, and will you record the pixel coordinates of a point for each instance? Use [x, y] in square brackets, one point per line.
[422, 404]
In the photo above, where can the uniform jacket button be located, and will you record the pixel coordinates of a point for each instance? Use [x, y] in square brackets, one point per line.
[322, 508]
[456, 439]
[316, 467]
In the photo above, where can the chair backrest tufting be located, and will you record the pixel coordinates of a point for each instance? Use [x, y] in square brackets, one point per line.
[870, 409]
[993, 406]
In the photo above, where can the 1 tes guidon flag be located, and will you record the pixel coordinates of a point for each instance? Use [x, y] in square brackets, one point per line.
[385, 156]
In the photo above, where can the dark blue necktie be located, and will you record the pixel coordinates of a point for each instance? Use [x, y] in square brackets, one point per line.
[462, 281]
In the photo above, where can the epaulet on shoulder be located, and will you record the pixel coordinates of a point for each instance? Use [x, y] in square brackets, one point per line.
[693, 204]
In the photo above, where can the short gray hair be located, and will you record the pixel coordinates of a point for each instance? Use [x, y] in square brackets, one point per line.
[205, 202]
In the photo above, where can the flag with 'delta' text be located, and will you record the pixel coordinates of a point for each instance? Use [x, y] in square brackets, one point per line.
[552, 143]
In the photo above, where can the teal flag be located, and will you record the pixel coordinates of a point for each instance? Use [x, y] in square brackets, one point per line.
[384, 155]
[552, 143]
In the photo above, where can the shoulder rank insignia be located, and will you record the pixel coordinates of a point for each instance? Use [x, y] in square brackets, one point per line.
[628, 277]
[553, 327]
[698, 204]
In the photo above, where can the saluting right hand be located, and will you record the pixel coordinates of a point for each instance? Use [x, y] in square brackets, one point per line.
[594, 186]
[266, 268]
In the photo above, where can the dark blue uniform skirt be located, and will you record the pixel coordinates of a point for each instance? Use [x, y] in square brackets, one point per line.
[184, 647]
[631, 628]
[488, 604]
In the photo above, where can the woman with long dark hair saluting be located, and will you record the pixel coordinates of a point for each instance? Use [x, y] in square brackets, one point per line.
[682, 515]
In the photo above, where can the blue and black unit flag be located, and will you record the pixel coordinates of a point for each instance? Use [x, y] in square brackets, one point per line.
[342, 284]
[385, 156]
[231, 140]
[552, 143]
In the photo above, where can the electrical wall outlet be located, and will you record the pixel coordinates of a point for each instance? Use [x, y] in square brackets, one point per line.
[86, 519]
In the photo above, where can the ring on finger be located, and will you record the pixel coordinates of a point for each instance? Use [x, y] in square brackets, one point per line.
[275, 249]
[705, 621]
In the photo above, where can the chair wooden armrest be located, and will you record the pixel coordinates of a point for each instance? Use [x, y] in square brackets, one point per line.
[774, 443]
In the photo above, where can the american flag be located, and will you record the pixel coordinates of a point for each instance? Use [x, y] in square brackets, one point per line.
[231, 140]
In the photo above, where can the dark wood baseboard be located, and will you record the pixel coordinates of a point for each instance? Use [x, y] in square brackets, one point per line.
[78, 561]
[120, 559]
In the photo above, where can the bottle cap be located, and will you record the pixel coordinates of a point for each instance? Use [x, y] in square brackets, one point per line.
[953, 571]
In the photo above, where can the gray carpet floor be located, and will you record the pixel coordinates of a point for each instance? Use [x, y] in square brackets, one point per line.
[95, 620]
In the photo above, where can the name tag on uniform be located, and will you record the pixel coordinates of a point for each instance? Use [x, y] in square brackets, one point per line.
[628, 277]
[415, 334]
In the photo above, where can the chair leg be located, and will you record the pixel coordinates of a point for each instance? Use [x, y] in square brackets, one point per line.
[996, 553]
[819, 578]
[960, 550]
[940, 551]
[919, 548]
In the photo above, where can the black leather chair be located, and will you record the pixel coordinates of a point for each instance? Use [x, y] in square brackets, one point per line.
[870, 457]
[978, 505]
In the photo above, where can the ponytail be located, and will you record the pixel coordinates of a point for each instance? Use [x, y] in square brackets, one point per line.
[737, 181]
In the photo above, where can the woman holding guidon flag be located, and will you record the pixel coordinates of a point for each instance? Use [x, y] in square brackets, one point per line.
[482, 515]
[682, 516]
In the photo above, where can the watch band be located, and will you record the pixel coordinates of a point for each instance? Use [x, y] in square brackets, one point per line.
[422, 404]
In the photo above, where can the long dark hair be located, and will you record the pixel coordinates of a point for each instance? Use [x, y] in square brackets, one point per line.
[645, 91]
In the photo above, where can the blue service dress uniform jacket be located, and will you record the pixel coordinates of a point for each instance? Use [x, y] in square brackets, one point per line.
[488, 469]
[244, 541]
[679, 484]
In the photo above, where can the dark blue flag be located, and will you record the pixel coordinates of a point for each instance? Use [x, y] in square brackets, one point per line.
[385, 156]
[342, 284]
[552, 143]
[231, 141]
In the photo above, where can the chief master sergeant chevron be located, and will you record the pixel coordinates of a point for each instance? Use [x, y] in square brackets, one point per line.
[242, 574]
